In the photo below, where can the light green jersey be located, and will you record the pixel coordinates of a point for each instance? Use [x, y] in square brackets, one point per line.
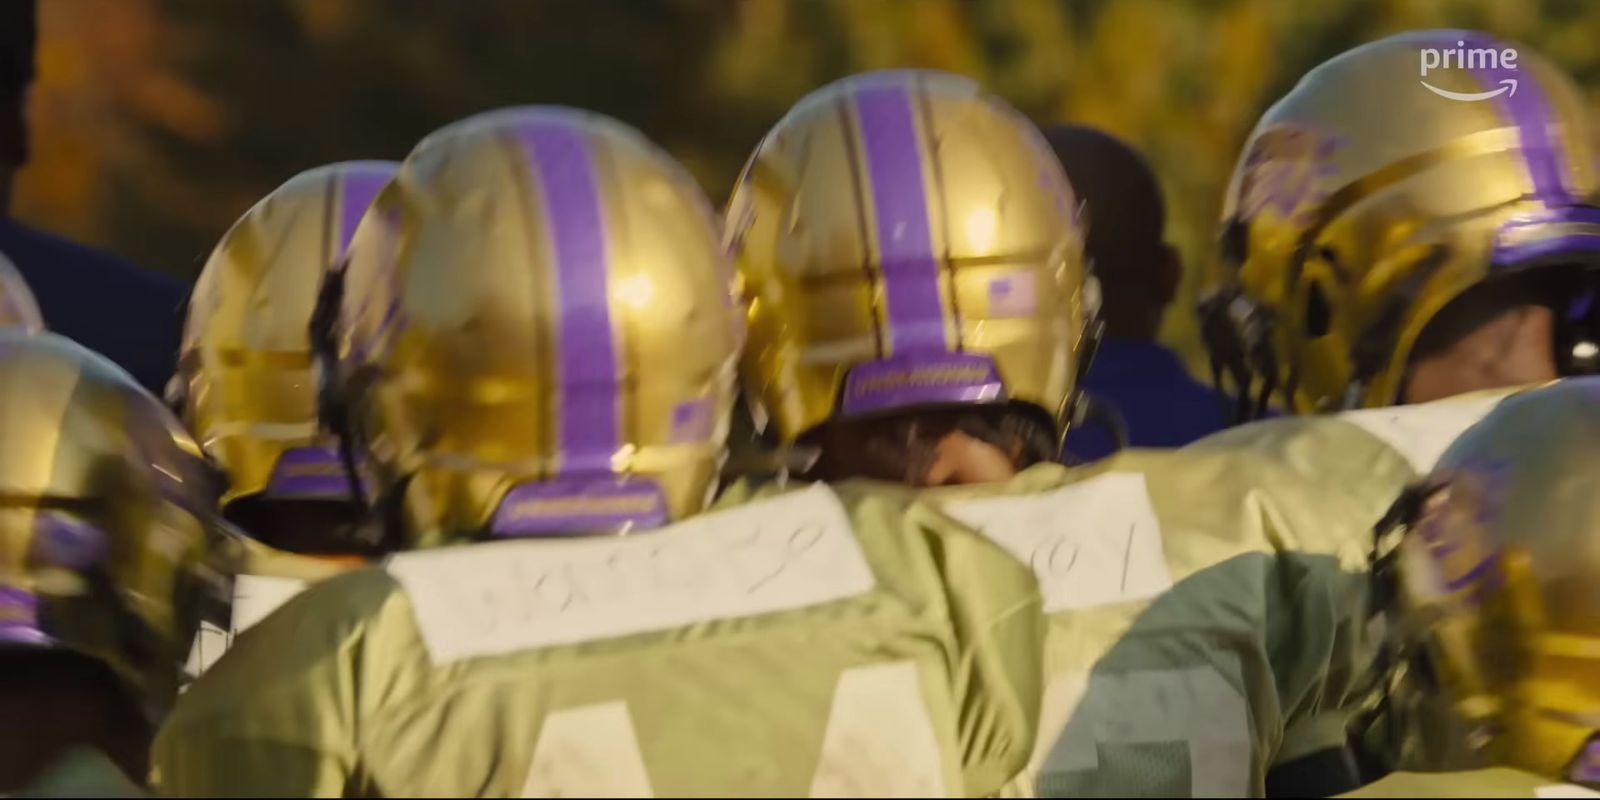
[268, 579]
[1207, 606]
[1205, 613]
[1335, 449]
[826, 642]
[1477, 783]
[82, 772]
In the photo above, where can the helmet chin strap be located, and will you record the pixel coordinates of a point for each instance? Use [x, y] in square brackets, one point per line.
[331, 408]
[1380, 728]
[1236, 330]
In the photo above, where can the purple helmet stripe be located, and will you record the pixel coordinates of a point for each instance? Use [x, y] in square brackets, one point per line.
[19, 617]
[586, 350]
[1529, 110]
[1585, 768]
[900, 205]
[358, 187]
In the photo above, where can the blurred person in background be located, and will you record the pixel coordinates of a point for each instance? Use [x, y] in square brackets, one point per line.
[919, 315]
[110, 555]
[247, 389]
[95, 298]
[1124, 221]
[18, 307]
[531, 353]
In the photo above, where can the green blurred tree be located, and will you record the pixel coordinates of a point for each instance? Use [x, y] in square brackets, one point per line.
[167, 121]
[306, 83]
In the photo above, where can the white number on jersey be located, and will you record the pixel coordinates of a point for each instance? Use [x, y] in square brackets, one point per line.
[1423, 432]
[880, 742]
[588, 751]
[1092, 543]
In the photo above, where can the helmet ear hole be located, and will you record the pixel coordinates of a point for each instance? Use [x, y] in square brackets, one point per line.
[1318, 318]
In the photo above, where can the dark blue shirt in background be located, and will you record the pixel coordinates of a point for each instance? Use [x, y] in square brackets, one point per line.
[1163, 405]
[127, 314]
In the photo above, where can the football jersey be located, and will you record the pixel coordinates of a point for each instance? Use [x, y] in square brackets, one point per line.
[1498, 782]
[825, 641]
[1205, 612]
[1337, 447]
[82, 772]
[268, 579]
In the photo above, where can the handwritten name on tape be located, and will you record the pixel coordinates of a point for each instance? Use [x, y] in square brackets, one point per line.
[1423, 432]
[1093, 543]
[788, 552]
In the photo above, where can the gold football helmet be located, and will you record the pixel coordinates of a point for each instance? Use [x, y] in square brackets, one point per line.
[109, 542]
[245, 384]
[908, 241]
[537, 333]
[1492, 578]
[1369, 200]
[18, 308]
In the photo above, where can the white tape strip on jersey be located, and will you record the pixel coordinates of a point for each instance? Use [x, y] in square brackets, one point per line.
[254, 597]
[1092, 543]
[792, 551]
[1423, 432]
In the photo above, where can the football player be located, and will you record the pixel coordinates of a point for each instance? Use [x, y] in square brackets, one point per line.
[533, 353]
[245, 384]
[1398, 240]
[920, 314]
[246, 389]
[110, 553]
[1485, 586]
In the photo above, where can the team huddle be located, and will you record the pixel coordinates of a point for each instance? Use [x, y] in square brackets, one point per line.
[443, 499]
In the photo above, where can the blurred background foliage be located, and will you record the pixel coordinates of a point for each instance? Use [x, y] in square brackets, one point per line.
[157, 122]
